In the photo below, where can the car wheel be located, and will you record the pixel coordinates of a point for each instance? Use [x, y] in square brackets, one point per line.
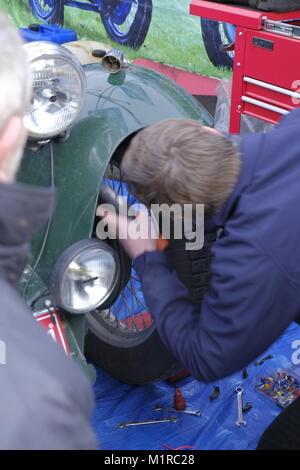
[122, 338]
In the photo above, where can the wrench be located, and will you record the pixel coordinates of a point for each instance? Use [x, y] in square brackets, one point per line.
[240, 421]
[171, 419]
[189, 412]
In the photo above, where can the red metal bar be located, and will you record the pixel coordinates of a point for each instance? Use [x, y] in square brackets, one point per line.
[227, 13]
[194, 83]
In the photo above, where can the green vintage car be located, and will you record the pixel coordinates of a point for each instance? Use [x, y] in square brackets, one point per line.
[80, 123]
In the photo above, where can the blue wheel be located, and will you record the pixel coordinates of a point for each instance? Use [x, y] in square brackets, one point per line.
[216, 35]
[48, 11]
[127, 22]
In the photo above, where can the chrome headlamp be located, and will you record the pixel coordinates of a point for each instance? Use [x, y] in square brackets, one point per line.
[85, 276]
[59, 86]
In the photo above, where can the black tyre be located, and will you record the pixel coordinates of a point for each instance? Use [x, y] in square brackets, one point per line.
[127, 22]
[215, 35]
[143, 361]
[193, 267]
[48, 11]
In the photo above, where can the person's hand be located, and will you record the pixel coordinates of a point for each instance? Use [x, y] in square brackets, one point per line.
[136, 235]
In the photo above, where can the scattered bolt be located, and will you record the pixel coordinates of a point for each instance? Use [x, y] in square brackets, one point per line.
[259, 363]
[215, 394]
[247, 407]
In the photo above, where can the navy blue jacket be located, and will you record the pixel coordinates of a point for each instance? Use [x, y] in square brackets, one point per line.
[255, 284]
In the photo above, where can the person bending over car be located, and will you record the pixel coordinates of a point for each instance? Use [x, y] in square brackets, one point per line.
[251, 192]
[46, 401]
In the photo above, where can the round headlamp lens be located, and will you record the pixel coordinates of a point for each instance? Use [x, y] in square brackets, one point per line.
[86, 279]
[58, 89]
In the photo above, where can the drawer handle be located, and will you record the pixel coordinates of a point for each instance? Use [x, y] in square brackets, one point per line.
[261, 104]
[284, 91]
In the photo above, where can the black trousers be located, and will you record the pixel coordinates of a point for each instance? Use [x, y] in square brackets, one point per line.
[284, 432]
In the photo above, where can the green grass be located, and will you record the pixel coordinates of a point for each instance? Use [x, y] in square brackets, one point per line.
[174, 36]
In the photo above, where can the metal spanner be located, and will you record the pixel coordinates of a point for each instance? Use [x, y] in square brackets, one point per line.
[189, 412]
[240, 421]
[171, 419]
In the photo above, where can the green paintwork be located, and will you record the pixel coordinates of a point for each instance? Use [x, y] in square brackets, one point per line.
[115, 107]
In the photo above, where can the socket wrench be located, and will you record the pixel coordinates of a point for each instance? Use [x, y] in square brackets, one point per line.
[170, 419]
[188, 412]
[240, 421]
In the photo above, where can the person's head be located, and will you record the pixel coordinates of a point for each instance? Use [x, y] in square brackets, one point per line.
[181, 161]
[15, 86]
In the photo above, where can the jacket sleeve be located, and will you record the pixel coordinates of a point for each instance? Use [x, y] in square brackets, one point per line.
[239, 318]
[47, 415]
[293, 118]
[59, 424]
[54, 426]
[46, 400]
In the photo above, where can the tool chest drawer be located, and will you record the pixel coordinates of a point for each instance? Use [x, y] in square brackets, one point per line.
[266, 74]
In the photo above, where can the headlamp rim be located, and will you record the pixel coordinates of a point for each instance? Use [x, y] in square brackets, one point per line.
[63, 263]
[45, 50]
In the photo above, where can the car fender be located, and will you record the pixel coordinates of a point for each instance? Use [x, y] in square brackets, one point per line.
[116, 106]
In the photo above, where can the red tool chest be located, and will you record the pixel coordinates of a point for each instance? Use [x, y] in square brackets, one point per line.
[266, 73]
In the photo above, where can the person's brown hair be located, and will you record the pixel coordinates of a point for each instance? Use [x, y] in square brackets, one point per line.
[179, 161]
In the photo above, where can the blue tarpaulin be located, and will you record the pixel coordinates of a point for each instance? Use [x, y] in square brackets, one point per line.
[214, 429]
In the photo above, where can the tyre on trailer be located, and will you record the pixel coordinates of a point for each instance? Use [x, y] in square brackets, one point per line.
[127, 22]
[216, 35]
[48, 11]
